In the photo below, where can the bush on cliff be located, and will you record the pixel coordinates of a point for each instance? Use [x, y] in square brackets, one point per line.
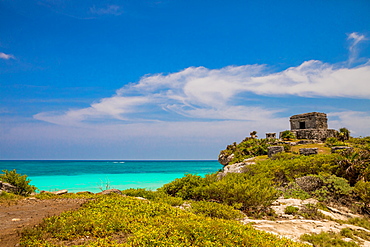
[241, 190]
[21, 182]
[249, 147]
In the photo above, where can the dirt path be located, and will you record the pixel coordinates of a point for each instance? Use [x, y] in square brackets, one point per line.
[29, 212]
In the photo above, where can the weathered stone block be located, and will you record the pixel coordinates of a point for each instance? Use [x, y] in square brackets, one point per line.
[274, 150]
[270, 135]
[308, 151]
[340, 148]
[309, 183]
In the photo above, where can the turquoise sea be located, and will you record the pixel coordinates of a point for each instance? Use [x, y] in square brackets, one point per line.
[97, 175]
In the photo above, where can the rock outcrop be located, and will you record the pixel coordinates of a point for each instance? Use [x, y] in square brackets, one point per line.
[225, 159]
[293, 227]
[235, 168]
[309, 183]
[7, 187]
[274, 150]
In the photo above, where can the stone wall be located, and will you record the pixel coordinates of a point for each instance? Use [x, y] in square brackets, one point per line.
[312, 120]
[314, 134]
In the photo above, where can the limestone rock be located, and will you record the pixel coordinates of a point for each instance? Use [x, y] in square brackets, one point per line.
[7, 187]
[225, 159]
[274, 150]
[235, 168]
[60, 192]
[308, 151]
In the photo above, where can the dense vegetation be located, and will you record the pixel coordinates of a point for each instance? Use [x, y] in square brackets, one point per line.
[21, 182]
[113, 220]
[202, 211]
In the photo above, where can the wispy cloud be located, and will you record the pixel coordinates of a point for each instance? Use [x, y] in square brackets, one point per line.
[6, 56]
[107, 10]
[355, 121]
[355, 38]
[202, 94]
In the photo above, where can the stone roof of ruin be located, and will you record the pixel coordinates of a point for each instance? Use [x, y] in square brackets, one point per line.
[309, 114]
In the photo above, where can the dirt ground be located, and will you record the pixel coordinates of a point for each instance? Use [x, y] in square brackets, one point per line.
[30, 212]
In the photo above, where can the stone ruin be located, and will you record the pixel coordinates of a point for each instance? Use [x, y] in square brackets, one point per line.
[313, 126]
[270, 135]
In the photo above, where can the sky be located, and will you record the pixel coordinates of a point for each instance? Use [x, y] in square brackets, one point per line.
[175, 79]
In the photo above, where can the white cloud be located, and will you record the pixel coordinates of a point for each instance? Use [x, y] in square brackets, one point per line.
[357, 122]
[108, 10]
[355, 39]
[201, 93]
[6, 56]
[115, 107]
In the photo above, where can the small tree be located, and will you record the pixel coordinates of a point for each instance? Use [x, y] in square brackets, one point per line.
[253, 134]
[287, 135]
[19, 181]
[343, 134]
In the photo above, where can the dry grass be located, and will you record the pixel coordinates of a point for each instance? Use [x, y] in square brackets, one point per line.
[321, 148]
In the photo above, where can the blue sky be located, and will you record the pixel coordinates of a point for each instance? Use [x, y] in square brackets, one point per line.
[175, 79]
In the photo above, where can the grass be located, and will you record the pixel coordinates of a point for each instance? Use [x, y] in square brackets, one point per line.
[328, 239]
[321, 148]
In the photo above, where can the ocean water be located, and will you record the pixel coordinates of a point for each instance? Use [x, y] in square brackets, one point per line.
[95, 176]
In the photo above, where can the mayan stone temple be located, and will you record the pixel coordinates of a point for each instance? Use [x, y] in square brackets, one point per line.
[313, 126]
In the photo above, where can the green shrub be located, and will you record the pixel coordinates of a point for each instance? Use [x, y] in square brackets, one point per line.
[188, 187]
[362, 234]
[310, 211]
[360, 143]
[294, 191]
[249, 147]
[215, 210]
[327, 239]
[287, 135]
[343, 134]
[333, 188]
[156, 196]
[362, 222]
[362, 189]
[347, 232]
[353, 165]
[240, 190]
[19, 181]
[284, 168]
[291, 210]
[250, 193]
[332, 141]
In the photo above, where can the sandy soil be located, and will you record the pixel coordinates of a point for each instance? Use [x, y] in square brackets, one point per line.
[30, 212]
